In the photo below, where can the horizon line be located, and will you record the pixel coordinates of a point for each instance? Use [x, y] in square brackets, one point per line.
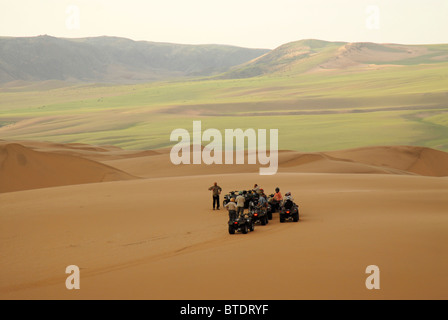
[218, 44]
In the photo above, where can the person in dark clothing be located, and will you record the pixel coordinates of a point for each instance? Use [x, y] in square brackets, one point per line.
[216, 192]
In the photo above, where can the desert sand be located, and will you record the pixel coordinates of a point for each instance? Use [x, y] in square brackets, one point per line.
[141, 228]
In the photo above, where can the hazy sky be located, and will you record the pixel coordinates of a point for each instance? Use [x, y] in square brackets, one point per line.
[248, 23]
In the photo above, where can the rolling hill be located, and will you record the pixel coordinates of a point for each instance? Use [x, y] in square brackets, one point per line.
[111, 59]
[120, 60]
[316, 55]
[321, 95]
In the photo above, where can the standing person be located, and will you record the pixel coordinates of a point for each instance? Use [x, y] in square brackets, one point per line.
[216, 192]
[256, 189]
[232, 207]
[240, 200]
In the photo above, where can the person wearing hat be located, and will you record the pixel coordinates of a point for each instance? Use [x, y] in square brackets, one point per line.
[216, 192]
[232, 207]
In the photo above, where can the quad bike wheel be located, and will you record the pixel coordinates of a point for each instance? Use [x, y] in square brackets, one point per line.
[295, 217]
[252, 227]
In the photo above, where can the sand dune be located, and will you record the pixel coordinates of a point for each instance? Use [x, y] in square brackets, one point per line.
[157, 237]
[96, 153]
[22, 168]
[403, 160]
[155, 163]
[418, 160]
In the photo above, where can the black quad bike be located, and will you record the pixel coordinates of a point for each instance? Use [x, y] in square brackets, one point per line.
[241, 224]
[274, 204]
[258, 214]
[254, 203]
[227, 197]
[289, 212]
[249, 197]
[269, 211]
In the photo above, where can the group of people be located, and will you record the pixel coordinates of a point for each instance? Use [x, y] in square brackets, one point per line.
[236, 205]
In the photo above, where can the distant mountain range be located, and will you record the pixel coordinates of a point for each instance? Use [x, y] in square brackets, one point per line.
[111, 59]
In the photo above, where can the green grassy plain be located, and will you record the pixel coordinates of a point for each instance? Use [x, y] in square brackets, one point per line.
[320, 111]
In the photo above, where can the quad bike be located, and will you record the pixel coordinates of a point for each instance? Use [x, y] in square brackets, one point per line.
[227, 197]
[250, 196]
[289, 212]
[242, 224]
[258, 213]
[269, 211]
[274, 204]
